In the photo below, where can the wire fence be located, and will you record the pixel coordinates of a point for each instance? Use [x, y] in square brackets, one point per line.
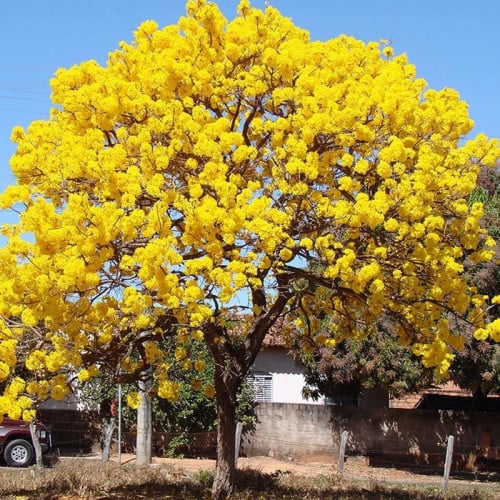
[80, 432]
[424, 457]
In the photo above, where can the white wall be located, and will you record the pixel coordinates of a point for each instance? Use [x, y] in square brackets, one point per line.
[288, 378]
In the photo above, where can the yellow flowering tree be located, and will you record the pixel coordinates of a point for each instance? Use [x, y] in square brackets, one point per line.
[185, 187]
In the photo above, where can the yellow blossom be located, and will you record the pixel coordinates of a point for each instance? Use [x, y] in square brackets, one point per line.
[133, 400]
[215, 174]
[209, 391]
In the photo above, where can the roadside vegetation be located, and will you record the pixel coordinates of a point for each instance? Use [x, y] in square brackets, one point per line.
[76, 478]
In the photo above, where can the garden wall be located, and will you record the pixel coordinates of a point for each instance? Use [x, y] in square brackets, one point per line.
[77, 432]
[73, 432]
[384, 434]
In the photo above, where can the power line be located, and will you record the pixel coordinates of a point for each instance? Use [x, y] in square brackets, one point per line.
[26, 90]
[24, 99]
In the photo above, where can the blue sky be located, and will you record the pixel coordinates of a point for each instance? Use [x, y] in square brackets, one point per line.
[452, 43]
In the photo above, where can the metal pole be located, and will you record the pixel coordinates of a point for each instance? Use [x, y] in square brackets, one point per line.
[119, 423]
[447, 465]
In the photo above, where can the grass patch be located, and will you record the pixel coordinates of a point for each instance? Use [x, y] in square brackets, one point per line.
[75, 478]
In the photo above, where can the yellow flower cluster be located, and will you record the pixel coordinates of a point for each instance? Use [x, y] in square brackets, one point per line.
[206, 161]
[8, 357]
[14, 402]
[133, 400]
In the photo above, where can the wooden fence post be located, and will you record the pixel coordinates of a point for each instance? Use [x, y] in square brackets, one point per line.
[447, 464]
[343, 442]
[237, 442]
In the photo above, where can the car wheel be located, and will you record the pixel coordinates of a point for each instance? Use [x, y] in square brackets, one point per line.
[18, 453]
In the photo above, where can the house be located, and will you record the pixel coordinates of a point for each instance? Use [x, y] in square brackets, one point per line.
[276, 377]
[447, 396]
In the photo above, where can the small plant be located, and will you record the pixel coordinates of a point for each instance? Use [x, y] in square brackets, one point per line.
[176, 444]
[204, 478]
[245, 409]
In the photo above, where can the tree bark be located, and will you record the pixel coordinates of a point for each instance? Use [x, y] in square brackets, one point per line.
[36, 445]
[226, 431]
[232, 362]
[144, 423]
[107, 437]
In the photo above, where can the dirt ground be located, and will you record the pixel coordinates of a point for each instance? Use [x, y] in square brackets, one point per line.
[355, 469]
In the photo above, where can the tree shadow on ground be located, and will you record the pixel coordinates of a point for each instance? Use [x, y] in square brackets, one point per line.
[484, 472]
[416, 440]
[251, 484]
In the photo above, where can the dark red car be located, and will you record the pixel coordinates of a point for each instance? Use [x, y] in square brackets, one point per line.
[16, 447]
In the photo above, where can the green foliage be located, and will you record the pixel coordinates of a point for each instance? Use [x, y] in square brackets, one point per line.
[204, 478]
[488, 193]
[477, 367]
[177, 443]
[376, 360]
[245, 409]
[192, 412]
[379, 360]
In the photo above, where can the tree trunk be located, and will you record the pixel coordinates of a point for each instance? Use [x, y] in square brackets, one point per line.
[232, 363]
[144, 424]
[36, 444]
[107, 437]
[226, 430]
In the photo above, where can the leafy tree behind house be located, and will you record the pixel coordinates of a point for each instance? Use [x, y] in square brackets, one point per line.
[341, 373]
[197, 173]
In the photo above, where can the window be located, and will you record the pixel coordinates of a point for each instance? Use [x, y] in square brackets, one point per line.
[262, 385]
